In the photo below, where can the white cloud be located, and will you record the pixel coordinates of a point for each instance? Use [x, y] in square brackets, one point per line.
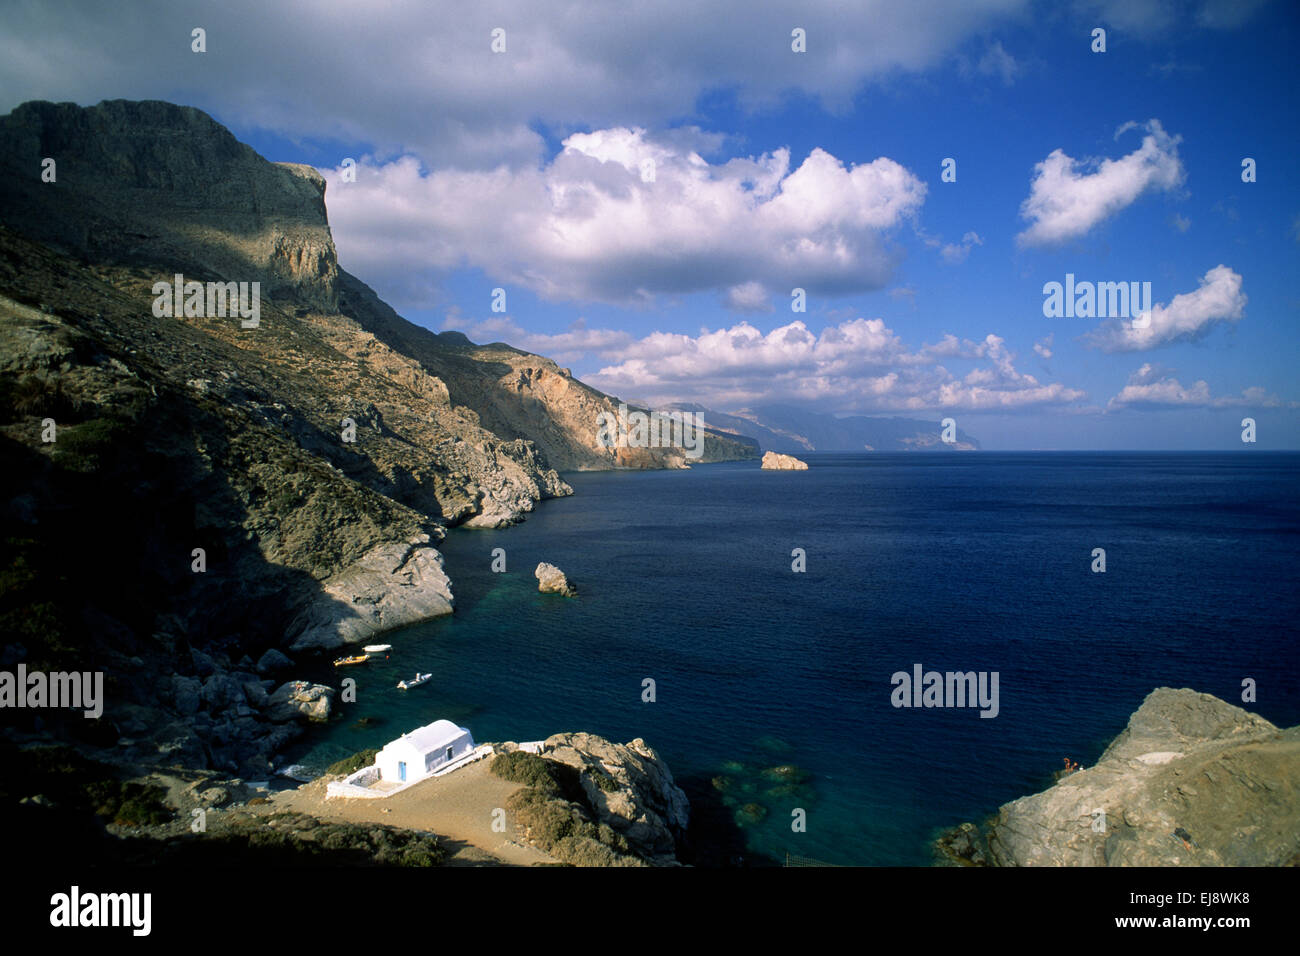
[1044, 347]
[1154, 386]
[748, 297]
[955, 253]
[593, 225]
[571, 345]
[859, 365]
[998, 62]
[1065, 202]
[360, 73]
[1191, 315]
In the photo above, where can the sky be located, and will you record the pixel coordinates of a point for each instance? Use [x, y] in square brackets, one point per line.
[648, 185]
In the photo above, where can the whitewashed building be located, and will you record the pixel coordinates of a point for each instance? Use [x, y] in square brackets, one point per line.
[428, 751]
[423, 751]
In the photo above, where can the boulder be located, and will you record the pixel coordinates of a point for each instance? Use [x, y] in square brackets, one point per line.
[203, 663]
[221, 691]
[186, 692]
[300, 699]
[255, 693]
[551, 580]
[273, 662]
[776, 462]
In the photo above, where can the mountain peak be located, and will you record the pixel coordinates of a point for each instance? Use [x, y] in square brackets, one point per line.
[153, 182]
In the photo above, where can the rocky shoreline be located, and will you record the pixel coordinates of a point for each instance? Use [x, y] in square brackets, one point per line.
[586, 801]
[279, 488]
[1191, 781]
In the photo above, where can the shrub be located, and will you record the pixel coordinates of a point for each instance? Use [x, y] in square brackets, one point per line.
[88, 446]
[354, 763]
[39, 396]
[129, 804]
[528, 769]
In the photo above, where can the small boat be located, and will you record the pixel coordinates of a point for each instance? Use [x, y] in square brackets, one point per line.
[377, 648]
[357, 659]
[415, 681]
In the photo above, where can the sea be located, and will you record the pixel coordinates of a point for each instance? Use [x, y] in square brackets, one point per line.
[773, 698]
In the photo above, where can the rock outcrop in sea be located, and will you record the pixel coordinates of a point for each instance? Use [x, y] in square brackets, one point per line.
[1191, 781]
[551, 580]
[777, 462]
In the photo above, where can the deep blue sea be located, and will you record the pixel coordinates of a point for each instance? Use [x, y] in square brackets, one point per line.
[977, 561]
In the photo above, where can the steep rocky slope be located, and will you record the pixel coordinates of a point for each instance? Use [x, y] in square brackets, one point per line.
[215, 491]
[1191, 781]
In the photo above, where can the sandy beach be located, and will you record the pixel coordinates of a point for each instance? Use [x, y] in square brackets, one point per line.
[458, 808]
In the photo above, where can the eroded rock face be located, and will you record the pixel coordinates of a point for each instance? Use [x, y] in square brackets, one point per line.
[776, 462]
[551, 580]
[390, 586]
[1188, 765]
[643, 803]
[172, 181]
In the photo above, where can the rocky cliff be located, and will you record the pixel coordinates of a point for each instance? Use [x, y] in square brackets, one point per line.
[227, 489]
[592, 802]
[1191, 781]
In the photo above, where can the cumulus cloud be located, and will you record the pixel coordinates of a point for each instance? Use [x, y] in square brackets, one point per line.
[1065, 201]
[859, 365]
[1217, 300]
[623, 217]
[1043, 348]
[749, 297]
[359, 73]
[1153, 386]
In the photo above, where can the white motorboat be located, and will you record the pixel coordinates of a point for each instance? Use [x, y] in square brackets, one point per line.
[415, 681]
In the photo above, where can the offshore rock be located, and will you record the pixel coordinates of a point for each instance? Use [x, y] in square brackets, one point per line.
[551, 580]
[776, 462]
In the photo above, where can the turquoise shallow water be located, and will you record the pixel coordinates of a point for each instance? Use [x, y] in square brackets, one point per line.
[958, 562]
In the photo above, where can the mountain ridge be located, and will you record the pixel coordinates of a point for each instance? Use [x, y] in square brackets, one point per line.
[789, 429]
[232, 490]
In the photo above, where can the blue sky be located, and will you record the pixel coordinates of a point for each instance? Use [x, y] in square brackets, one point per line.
[523, 170]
